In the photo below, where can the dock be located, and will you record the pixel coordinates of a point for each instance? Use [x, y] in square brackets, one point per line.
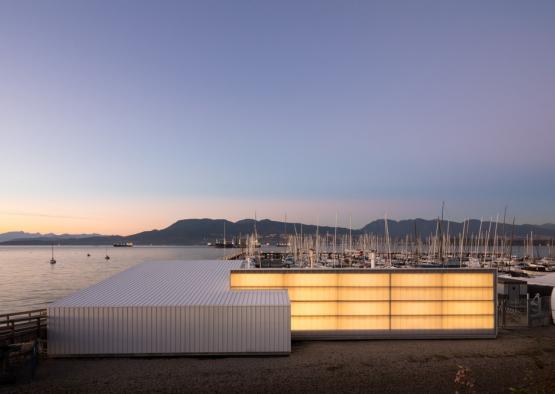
[23, 326]
[235, 256]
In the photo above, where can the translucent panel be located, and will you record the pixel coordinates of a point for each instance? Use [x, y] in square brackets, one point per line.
[468, 322]
[371, 308]
[471, 279]
[363, 323]
[309, 279]
[256, 279]
[301, 308]
[416, 293]
[468, 293]
[363, 293]
[468, 308]
[416, 322]
[313, 293]
[410, 279]
[361, 280]
[313, 323]
[416, 307]
[320, 323]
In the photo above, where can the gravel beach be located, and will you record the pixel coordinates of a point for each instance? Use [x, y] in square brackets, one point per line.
[518, 359]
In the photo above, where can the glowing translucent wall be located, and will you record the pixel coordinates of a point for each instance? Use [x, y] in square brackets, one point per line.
[450, 300]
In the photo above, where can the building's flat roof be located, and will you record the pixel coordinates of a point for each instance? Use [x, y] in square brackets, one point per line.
[364, 270]
[504, 279]
[172, 283]
[545, 280]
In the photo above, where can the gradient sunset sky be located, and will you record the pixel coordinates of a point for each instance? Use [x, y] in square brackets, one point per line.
[121, 116]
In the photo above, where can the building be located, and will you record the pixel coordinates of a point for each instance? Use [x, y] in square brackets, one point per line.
[382, 303]
[512, 289]
[178, 307]
[216, 307]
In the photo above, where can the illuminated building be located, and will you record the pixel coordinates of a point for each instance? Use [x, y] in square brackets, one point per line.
[382, 303]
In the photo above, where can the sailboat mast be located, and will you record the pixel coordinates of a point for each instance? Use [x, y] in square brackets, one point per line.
[511, 244]
[504, 236]
[417, 242]
[350, 233]
[387, 240]
[440, 240]
[317, 243]
[335, 240]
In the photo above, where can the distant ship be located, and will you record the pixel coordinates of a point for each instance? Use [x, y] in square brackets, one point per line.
[224, 244]
[123, 245]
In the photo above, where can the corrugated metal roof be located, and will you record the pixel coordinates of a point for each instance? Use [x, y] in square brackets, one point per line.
[173, 283]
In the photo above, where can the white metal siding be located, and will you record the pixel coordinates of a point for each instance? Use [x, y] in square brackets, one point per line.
[166, 330]
[170, 308]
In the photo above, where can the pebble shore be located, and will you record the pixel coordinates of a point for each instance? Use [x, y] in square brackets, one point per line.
[518, 359]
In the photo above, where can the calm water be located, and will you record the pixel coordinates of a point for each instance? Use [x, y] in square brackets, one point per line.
[29, 281]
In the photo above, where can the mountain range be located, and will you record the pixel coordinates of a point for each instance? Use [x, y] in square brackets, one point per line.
[201, 231]
[15, 235]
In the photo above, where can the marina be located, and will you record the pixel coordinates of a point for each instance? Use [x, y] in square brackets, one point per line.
[373, 251]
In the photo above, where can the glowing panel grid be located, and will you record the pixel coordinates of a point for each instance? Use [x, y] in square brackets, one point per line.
[381, 301]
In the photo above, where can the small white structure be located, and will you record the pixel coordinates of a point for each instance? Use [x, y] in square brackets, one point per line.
[546, 280]
[174, 307]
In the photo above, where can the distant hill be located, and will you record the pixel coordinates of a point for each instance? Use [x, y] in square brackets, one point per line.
[425, 227]
[549, 226]
[201, 231]
[16, 235]
[9, 236]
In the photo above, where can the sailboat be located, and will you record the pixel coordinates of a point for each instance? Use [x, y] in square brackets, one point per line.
[52, 260]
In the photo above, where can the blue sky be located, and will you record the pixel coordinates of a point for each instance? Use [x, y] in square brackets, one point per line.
[126, 115]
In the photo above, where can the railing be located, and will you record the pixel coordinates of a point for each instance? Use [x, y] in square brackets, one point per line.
[23, 326]
[235, 256]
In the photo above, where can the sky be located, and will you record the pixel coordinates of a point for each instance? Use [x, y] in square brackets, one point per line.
[122, 116]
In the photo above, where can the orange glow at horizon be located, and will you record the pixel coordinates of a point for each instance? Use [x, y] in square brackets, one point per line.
[125, 217]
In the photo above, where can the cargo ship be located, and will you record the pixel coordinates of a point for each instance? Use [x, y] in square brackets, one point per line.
[123, 245]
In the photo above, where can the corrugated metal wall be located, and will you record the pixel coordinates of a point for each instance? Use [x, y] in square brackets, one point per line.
[172, 307]
[194, 329]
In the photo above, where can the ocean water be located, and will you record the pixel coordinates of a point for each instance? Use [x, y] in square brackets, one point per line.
[29, 281]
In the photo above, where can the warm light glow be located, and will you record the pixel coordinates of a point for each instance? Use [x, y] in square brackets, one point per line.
[381, 301]
[363, 280]
[468, 293]
[468, 322]
[417, 294]
[329, 308]
[417, 280]
[468, 308]
[261, 281]
[467, 280]
[322, 323]
[416, 322]
[409, 308]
